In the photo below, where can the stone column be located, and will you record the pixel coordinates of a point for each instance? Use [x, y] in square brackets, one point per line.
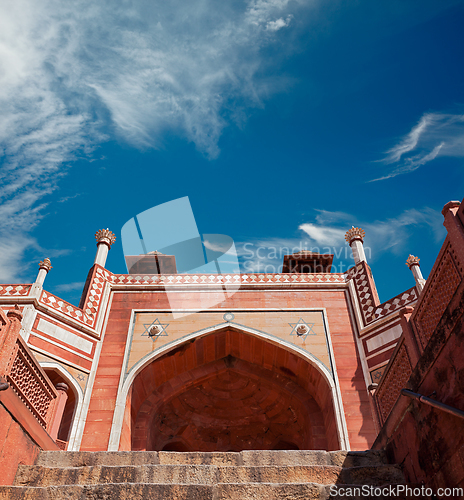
[44, 267]
[355, 238]
[105, 238]
[62, 390]
[413, 264]
[29, 311]
[10, 324]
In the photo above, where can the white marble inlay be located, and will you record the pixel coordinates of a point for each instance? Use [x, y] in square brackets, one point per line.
[384, 338]
[64, 335]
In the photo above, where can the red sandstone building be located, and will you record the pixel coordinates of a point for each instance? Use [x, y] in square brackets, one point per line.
[305, 359]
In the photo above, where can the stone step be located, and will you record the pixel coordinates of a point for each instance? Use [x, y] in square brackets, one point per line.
[260, 457]
[206, 474]
[231, 491]
[248, 475]
[305, 491]
[121, 491]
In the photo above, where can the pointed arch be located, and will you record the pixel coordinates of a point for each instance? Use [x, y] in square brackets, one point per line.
[328, 397]
[78, 395]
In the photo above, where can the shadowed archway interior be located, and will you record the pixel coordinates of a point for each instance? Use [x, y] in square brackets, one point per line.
[70, 407]
[229, 391]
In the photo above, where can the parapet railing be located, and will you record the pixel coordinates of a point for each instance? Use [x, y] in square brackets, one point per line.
[431, 402]
[442, 283]
[27, 381]
[21, 371]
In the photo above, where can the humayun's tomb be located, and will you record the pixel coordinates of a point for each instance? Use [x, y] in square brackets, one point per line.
[213, 386]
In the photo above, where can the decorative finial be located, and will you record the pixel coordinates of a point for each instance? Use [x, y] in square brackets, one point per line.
[105, 236]
[45, 264]
[412, 261]
[355, 233]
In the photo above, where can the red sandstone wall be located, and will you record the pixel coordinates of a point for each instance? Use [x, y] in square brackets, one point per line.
[354, 393]
[16, 447]
[21, 435]
[427, 441]
[126, 432]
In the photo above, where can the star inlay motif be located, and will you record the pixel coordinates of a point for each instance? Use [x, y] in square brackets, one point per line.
[302, 329]
[155, 330]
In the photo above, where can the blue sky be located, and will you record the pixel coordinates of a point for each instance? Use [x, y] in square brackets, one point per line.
[284, 122]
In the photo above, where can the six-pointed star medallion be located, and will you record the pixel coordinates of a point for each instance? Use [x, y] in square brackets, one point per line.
[155, 330]
[302, 329]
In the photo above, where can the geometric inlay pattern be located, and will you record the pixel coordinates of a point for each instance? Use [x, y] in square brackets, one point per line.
[228, 317]
[155, 330]
[401, 300]
[369, 311]
[376, 374]
[363, 290]
[58, 304]
[229, 279]
[302, 329]
[14, 289]
[89, 313]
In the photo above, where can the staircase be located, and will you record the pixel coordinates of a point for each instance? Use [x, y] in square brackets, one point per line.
[249, 475]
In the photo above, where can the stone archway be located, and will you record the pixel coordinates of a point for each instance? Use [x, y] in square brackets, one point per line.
[69, 424]
[71, 403]
[229, 391]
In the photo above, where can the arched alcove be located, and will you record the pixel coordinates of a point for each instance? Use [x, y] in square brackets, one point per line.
[227, 391]
[57, 375]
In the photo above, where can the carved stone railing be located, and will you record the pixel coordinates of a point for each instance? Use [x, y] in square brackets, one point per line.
[33, 387]
[393, 380]
[444, 279]
[420, 323]
[22, 372]
[441, 286]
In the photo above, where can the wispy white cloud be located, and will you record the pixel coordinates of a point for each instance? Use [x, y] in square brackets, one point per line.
[323, 235]
[12, 251]
[219, 247]
[390, 235]
[266, 255]
[69, 287]
[138, 70]
[278, 24]
[436, 134]
[64, 199]
[409, 142]
[327, 235]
